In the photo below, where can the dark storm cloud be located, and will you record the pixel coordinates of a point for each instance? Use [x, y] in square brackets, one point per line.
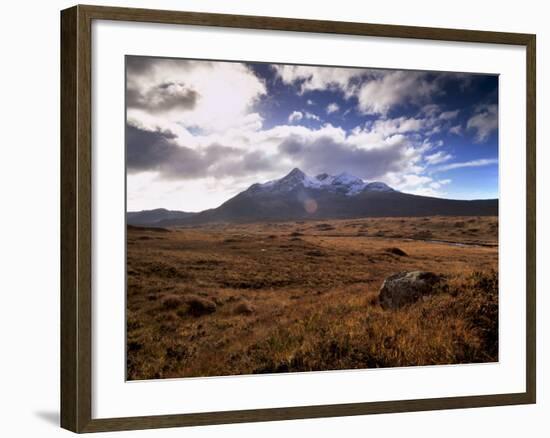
[144, 66]
[326, 154]
[244, 164]
[157, 151]
[163, 97]
[139, 65]
[291, 146]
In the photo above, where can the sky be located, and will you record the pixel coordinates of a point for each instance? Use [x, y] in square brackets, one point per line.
[199, 132]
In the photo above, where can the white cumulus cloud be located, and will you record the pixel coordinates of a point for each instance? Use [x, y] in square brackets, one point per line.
[379, 95]
[310, 78]
[168, 93]
[295, 116]
[332, 108]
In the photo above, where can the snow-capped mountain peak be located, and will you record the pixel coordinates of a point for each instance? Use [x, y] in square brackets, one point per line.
[378, 186]
[346, 178]
[294, 174]
[344, 182]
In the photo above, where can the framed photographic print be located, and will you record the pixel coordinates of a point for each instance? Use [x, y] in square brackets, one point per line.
[268, 219]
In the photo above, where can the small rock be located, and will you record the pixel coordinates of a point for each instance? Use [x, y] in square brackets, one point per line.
[396, 251]
[405, 288]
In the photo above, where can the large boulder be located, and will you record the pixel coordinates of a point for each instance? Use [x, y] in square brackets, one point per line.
[405, 288]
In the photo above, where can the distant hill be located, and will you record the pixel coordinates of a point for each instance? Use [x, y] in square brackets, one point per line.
[298, 196]
[153, 217]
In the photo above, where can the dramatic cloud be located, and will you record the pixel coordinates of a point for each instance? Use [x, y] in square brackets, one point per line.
[212, 96]
[381, 94]
[346, 157]
[370, 153]
[310, 78]
[157, 151]
[484, 122]
[142, 65]
[199, 132]
[377, 91]
[164, 97]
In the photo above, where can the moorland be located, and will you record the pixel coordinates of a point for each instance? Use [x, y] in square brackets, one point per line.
[269, 297]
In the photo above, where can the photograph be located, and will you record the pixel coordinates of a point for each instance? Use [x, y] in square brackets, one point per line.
[287, 218]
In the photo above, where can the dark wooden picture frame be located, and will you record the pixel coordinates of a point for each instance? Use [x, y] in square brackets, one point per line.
[76, 218]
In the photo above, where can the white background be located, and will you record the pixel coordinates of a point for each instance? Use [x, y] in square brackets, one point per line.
[112, 397]
[29, 220]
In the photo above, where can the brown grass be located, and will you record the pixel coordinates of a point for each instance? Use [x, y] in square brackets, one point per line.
[243, 299]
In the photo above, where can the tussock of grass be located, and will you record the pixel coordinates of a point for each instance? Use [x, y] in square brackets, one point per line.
[171, 302]
[244, 308]
[458, 327]
[198, 306]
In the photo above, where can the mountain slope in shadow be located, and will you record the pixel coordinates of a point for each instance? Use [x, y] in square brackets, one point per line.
[298, 196]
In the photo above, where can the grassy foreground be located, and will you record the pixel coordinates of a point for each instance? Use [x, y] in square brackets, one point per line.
[283, 297]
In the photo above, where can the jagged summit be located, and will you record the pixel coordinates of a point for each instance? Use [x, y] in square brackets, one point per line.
[343, 183]
[296, 173]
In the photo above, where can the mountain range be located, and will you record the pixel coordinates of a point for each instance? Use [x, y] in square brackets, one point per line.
[298, 196]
